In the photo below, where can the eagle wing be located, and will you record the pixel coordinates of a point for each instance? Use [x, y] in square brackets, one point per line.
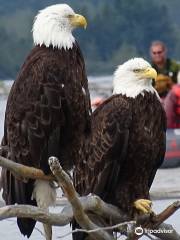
[103, 154]
[107, 148]
[38, 118]
[34, 113]
[161, 146]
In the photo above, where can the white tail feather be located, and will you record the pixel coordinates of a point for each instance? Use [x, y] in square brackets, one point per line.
[44, 194]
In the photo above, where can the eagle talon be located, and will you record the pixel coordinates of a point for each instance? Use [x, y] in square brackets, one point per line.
[143, 205]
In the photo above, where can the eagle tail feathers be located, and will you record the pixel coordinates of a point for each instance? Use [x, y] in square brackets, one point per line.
[45, 195]
[26, 226]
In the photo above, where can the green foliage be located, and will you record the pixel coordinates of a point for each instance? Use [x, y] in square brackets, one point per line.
[117, 30]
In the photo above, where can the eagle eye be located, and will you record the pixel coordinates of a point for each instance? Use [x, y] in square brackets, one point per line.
[137, 70]
[70, 15]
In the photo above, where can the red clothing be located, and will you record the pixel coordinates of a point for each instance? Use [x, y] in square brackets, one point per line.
[172, 107]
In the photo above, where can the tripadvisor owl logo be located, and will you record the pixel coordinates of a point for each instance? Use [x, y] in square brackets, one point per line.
[138, 231]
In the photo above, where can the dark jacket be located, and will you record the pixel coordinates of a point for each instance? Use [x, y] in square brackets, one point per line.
[171, 69]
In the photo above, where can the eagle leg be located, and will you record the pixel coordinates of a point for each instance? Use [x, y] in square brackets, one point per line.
[143, 205]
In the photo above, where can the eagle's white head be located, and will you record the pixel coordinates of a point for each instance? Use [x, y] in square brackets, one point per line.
[54, 24]
[134, 77]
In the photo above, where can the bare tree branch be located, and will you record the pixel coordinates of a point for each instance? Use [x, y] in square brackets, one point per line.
[89, 203]
[24, 171]
[162, 230]
[99, 228]
[81, 217]
[79, 207]
[154, 225]
[36, 213]
[170, 210]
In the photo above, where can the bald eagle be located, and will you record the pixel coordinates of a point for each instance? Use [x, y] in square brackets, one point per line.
[48, 108]
[127, 144]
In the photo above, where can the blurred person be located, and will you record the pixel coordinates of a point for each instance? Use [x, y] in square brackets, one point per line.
[162, 64]
[163, 84]
[172, 105]
[97, 101]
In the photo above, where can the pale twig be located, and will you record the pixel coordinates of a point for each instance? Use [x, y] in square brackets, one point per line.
[38, 230]
[98, 229]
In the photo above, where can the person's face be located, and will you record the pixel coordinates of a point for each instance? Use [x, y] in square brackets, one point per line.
[158, 54]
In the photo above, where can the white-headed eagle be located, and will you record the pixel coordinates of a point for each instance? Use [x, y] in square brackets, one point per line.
[127, 144]
[48, 109]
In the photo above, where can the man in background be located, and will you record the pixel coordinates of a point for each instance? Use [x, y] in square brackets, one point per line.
[166, 82]
[163, 65]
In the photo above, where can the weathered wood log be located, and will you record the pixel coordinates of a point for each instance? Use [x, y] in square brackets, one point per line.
[79, 214]
[78, 207]
[23, 171]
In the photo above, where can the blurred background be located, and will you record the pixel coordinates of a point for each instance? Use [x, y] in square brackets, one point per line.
[117, 30]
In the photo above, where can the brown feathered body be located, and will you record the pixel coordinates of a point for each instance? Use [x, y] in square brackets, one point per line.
[47, 114]
[126, 148]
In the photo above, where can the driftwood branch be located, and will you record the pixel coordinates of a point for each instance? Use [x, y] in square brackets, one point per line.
[154, 224]
[24, 171]
[81, 217]
[79, 207]
[89, 203]
[165, 231]
[170, 210]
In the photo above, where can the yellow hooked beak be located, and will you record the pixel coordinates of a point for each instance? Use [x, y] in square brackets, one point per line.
[149, 73]
[78, 21]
